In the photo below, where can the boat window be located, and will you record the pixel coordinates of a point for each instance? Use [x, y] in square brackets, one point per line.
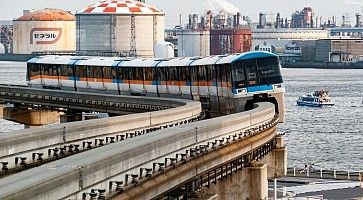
[238, 74]
[269, 70]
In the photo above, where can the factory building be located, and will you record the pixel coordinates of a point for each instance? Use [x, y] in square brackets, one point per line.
[223, 33]
[120, 27]
[339, 50]
[44, 30]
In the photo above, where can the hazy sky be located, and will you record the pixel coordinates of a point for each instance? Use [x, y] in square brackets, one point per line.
[13, 8]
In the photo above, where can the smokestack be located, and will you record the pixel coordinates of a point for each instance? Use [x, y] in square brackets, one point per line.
[238, 19]
[190, 22]
[195, 21]
[234, 21]
[358, 21]
[181, 21]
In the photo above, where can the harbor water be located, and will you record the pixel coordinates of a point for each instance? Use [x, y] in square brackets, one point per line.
[329, 137]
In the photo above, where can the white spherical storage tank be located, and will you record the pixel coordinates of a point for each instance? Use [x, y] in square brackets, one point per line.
[45, 30]
[124, 27]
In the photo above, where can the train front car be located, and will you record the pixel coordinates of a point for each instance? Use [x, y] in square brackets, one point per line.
[256, 77]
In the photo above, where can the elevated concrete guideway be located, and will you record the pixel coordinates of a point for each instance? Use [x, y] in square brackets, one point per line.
[18, 149]
[125, 164]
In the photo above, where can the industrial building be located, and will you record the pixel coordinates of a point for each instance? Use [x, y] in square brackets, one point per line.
[119, 27]
[223, 33]
[303, 19]
[339, 50]
[44, 30]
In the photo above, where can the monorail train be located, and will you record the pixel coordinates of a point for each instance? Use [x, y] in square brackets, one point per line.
[224, 84]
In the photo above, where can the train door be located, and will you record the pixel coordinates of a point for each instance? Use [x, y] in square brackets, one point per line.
[194, 82]
[184, 80]
[107, 79]
[136, 79]
[203, 82]
[115, 83]
[124, 79]
[66, 77]
[173, 81]
[81, 76]
[162, 79]
[94, 78]
[149, 80]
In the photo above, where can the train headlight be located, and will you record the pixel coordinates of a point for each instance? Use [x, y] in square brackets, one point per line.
[277, 86]
[242, 91]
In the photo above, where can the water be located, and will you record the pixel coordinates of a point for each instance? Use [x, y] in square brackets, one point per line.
[330, 136]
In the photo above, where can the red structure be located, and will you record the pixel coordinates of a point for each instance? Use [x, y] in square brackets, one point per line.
[229, 41]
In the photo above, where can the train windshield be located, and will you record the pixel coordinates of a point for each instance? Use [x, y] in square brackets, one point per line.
[260, 71]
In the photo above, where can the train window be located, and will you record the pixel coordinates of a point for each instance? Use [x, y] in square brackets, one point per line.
[114, 73]
[211, 75]
[251, 71]
[124, 73]
[194, 73]
[238, 75]
[107, 72]
[149, 73]
[269, 70]
[202, 74]
[162, 74]
[45, 69]
[184, 73]
[173, 73]
[136, 73]
[55, 70]
[81, 71]
[34, 70]
[94, 72]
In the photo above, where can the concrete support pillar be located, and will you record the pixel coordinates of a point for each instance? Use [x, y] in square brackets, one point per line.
[258, 183]
[31, 117]
[277, 160]
[2, 107]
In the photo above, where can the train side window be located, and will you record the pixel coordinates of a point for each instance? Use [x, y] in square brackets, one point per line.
[202, 74]
[81, 71]
[184, 73]
[238, 75]
[149, 73]
[194, 73]
[162, 74]
[107, 73]
[45, 69]
[211, 75]
[173, 74]
[114, 73]
[124, 73]
[34, 69]
[94, 72]
[136, 73]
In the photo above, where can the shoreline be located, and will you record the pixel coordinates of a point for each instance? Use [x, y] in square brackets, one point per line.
[323, 65]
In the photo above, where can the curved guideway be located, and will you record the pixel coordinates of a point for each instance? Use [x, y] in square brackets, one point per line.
[26, 148]
[122, 162]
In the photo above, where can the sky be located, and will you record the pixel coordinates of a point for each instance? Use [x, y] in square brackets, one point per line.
[13, 8]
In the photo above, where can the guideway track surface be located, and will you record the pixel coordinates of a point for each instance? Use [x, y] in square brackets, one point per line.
[27, 148]
[73, 176]
[108, 103]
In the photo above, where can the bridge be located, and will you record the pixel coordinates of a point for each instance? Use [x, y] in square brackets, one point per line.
[149, 155]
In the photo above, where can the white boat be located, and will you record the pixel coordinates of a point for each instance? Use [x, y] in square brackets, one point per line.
[315, 99]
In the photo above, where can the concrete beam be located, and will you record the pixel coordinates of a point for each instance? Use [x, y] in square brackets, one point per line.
[258, 183]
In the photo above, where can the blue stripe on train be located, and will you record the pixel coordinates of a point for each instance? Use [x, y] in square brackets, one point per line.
[259, 88]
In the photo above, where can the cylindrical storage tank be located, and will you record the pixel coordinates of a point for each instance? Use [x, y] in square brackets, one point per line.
[230, 41]
[164, 50]
[125, 27]
[193, 43]
[44, 30]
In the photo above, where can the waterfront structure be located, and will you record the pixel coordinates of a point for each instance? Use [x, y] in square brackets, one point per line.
[125, 28]
[6, 36]
[44, 30]
[281, 37]
[339, 50]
